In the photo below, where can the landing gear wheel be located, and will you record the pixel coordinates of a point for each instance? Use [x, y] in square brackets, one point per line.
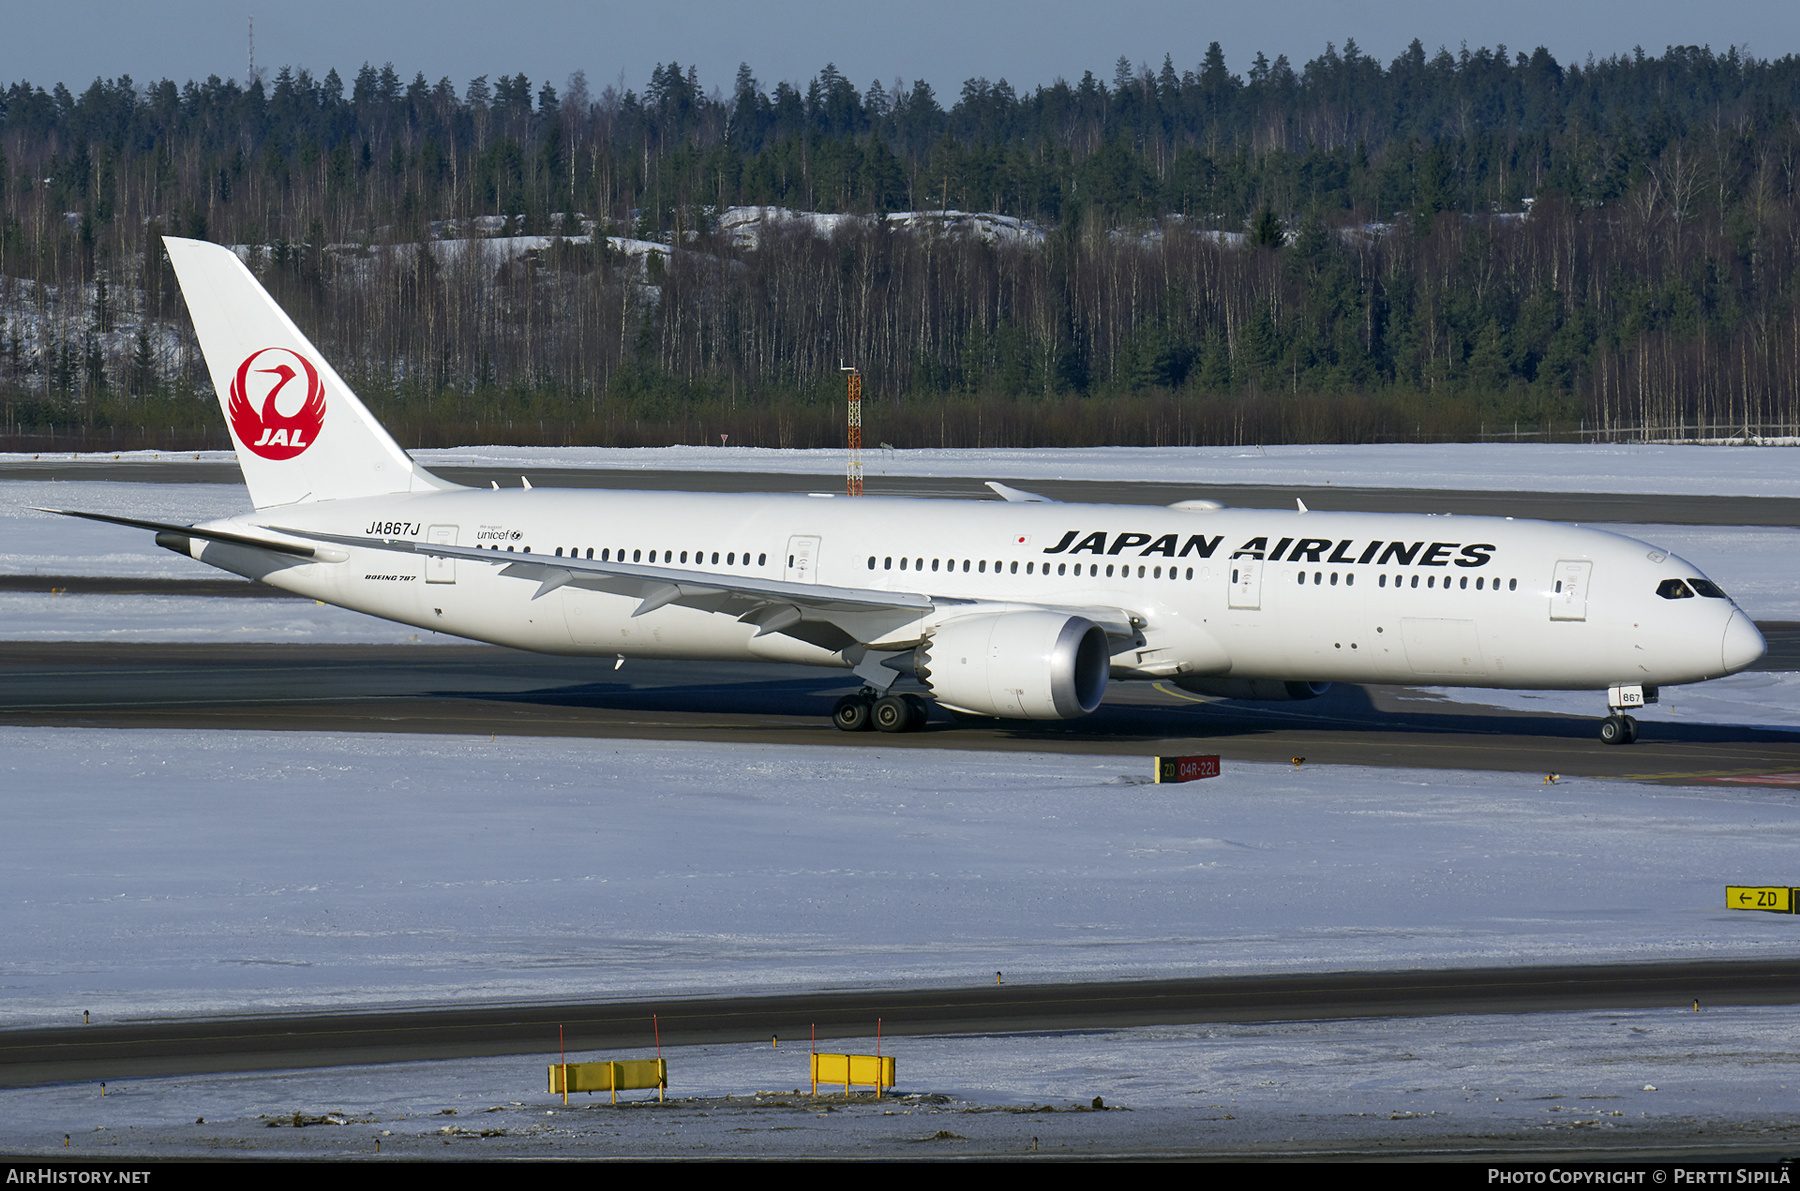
[892, 713]
[852, 714]
[921, 712]
[1618, 729]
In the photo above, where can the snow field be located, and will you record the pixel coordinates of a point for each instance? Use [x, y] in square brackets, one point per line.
[196, 872]
[1454, 1085]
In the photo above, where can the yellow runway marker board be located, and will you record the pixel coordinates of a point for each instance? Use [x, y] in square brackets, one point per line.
[1777, 899]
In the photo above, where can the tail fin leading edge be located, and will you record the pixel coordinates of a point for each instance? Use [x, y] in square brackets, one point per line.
[301, 434]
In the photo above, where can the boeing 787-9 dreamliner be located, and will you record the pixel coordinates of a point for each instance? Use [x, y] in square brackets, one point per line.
[1019, 608]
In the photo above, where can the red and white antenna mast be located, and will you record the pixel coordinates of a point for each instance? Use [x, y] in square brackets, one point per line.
[853, 467]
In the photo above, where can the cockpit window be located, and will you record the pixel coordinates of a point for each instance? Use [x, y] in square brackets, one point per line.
[1708, 588]
[1674, 589]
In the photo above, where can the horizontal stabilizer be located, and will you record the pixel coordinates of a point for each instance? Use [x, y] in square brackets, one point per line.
[296, 549]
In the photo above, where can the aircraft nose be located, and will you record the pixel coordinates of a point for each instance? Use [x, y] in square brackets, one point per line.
[1742, 644]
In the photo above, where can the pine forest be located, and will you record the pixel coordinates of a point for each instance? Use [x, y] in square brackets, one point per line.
[1445, 246]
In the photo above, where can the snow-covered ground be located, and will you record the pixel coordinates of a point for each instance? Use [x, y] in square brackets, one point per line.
[26, 616]
[171, 873]
[184, 872]
[1520, 467]
[1670, 1080]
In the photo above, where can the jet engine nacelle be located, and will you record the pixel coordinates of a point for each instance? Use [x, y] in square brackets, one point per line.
[1017, 665]
[1269, 690]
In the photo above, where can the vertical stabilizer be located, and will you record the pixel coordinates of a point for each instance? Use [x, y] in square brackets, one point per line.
[301, 434]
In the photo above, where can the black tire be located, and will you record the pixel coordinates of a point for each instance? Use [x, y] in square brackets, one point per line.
[1631, 729]
[921, 711]
[851, 714]
[1612, 730]
[891, 714]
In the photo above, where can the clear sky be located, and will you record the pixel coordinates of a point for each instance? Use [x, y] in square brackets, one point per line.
[941, 41]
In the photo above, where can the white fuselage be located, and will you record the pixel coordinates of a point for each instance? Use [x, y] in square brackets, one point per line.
[1238, 593]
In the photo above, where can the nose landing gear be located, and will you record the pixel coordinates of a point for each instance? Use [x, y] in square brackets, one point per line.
[1618, 729]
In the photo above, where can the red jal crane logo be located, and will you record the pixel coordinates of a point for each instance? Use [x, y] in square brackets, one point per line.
[267, 431]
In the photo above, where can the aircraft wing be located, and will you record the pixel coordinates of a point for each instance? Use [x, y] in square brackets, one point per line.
[834, 618]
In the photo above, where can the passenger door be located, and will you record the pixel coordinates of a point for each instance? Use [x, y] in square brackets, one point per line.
[1569, 590]
[802, 559]
[1246, 583]
[438, 569]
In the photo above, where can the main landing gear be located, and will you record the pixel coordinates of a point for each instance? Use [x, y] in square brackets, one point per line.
[889, 713]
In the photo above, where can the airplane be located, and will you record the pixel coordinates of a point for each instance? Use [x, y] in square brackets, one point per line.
[1021, 608]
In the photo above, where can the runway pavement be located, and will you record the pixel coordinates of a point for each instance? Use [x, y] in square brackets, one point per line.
[168, 1047]
[478, 689]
